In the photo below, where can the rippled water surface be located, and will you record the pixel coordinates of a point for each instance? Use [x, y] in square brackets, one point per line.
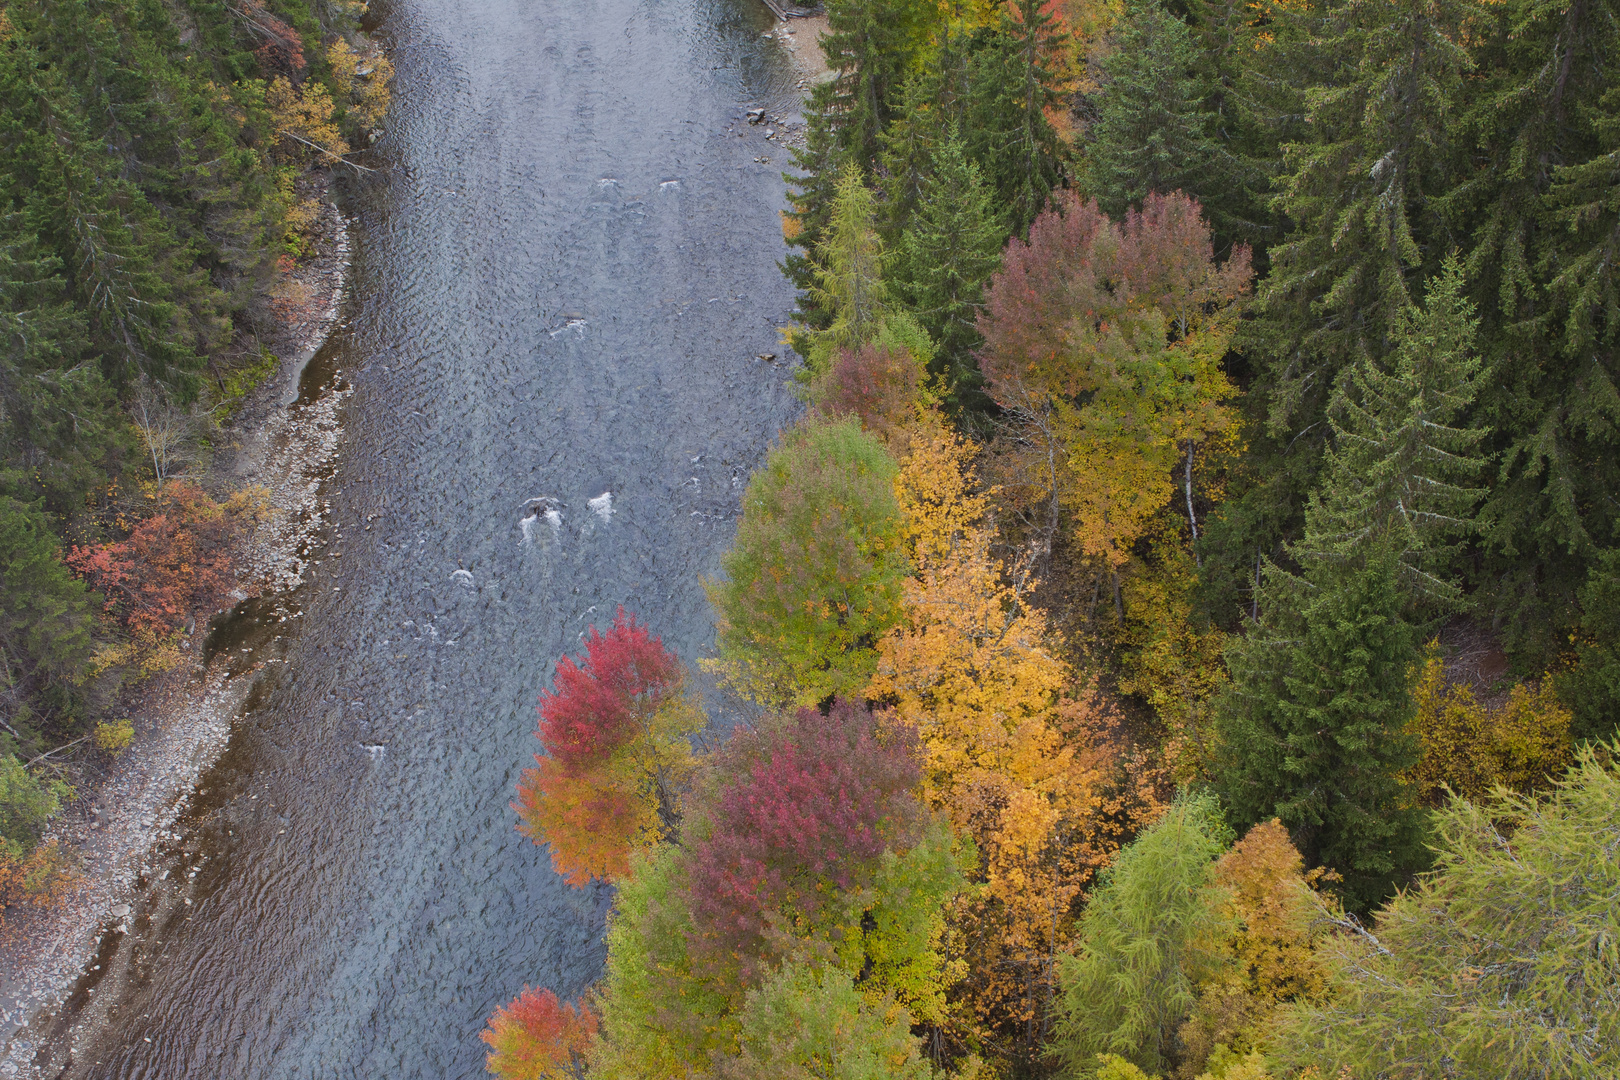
[562, 285]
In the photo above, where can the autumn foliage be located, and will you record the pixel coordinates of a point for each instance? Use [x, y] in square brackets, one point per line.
[1470, 746]
[811, 806]
[179, 562]
[614, 727]
[1104, 341]
[537, 1037]
[1015, 754]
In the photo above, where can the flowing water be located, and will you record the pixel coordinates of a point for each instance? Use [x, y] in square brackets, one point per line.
[562, 286]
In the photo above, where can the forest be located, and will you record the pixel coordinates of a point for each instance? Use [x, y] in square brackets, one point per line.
[162, 167]
[1182, 633]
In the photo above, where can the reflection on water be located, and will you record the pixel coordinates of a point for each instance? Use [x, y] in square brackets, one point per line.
[562, 285]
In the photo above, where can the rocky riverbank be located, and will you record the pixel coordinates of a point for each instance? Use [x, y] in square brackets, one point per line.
[287, 444]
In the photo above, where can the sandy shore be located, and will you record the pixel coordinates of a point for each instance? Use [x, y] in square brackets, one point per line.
[183, 719]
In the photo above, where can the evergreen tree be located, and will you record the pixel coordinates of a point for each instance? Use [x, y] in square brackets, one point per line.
[46, 616]
[1314, 725]
[947, 254]
[1312, 729]
[1397, 457]
[1542, 152]
[1361, 195]
[1368, 97]
[59, 424]
[1152, 131]
[1011, 81]
[1591, 689]
[873, 47]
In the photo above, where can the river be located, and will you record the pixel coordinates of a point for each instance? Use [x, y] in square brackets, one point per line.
[563, 282]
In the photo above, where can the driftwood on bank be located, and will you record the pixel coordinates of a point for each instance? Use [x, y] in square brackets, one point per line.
[786, 9]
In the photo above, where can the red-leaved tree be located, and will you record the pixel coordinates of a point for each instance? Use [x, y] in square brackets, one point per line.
[1103, 344]
[615, 727]
[179, 562]
[537, 1037]
[878, 384]
[811, 804]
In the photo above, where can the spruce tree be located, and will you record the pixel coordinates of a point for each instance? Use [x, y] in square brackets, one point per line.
[1012, 80]
[1313, 729]
[1541, 145]
[1399, 465]
[946, 256]
[1361, 194]
[1152, 132]
[61, 430]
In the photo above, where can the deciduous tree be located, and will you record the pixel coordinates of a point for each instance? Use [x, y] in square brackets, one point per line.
[537, 1037]
[1500, 963]
[814, 577]
[615, 727]
[1147, 937]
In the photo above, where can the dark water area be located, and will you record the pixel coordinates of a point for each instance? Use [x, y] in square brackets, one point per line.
[563, 280]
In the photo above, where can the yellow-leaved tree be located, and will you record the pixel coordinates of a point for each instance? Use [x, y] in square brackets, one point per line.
[1011, 750]
[1471, 746]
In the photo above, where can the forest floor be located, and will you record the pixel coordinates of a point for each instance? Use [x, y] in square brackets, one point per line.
[183, 718]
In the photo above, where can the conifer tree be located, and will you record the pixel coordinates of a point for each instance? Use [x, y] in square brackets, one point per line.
[1151, 133]
[1399, 458]
[1542, 143]
[1149, 931]
[1314, 727]
[849, 290]
[60, 434]
[1361, 193]
[947, 254]
[1011, 81]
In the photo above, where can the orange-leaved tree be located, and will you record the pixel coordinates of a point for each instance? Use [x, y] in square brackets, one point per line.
[537, 1037]
[1012, 754]
[179, 562]
[616, 727]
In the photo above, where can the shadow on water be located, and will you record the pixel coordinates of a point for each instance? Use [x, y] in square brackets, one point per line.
[562, 282]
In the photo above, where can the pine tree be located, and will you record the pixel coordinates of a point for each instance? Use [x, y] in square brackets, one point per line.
[1151, 133]
[947, 254]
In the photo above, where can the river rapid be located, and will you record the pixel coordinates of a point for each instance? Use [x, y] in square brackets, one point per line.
[564, 280]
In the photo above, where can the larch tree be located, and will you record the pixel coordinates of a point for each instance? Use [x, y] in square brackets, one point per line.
[1500, 963]
[1147, 936]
